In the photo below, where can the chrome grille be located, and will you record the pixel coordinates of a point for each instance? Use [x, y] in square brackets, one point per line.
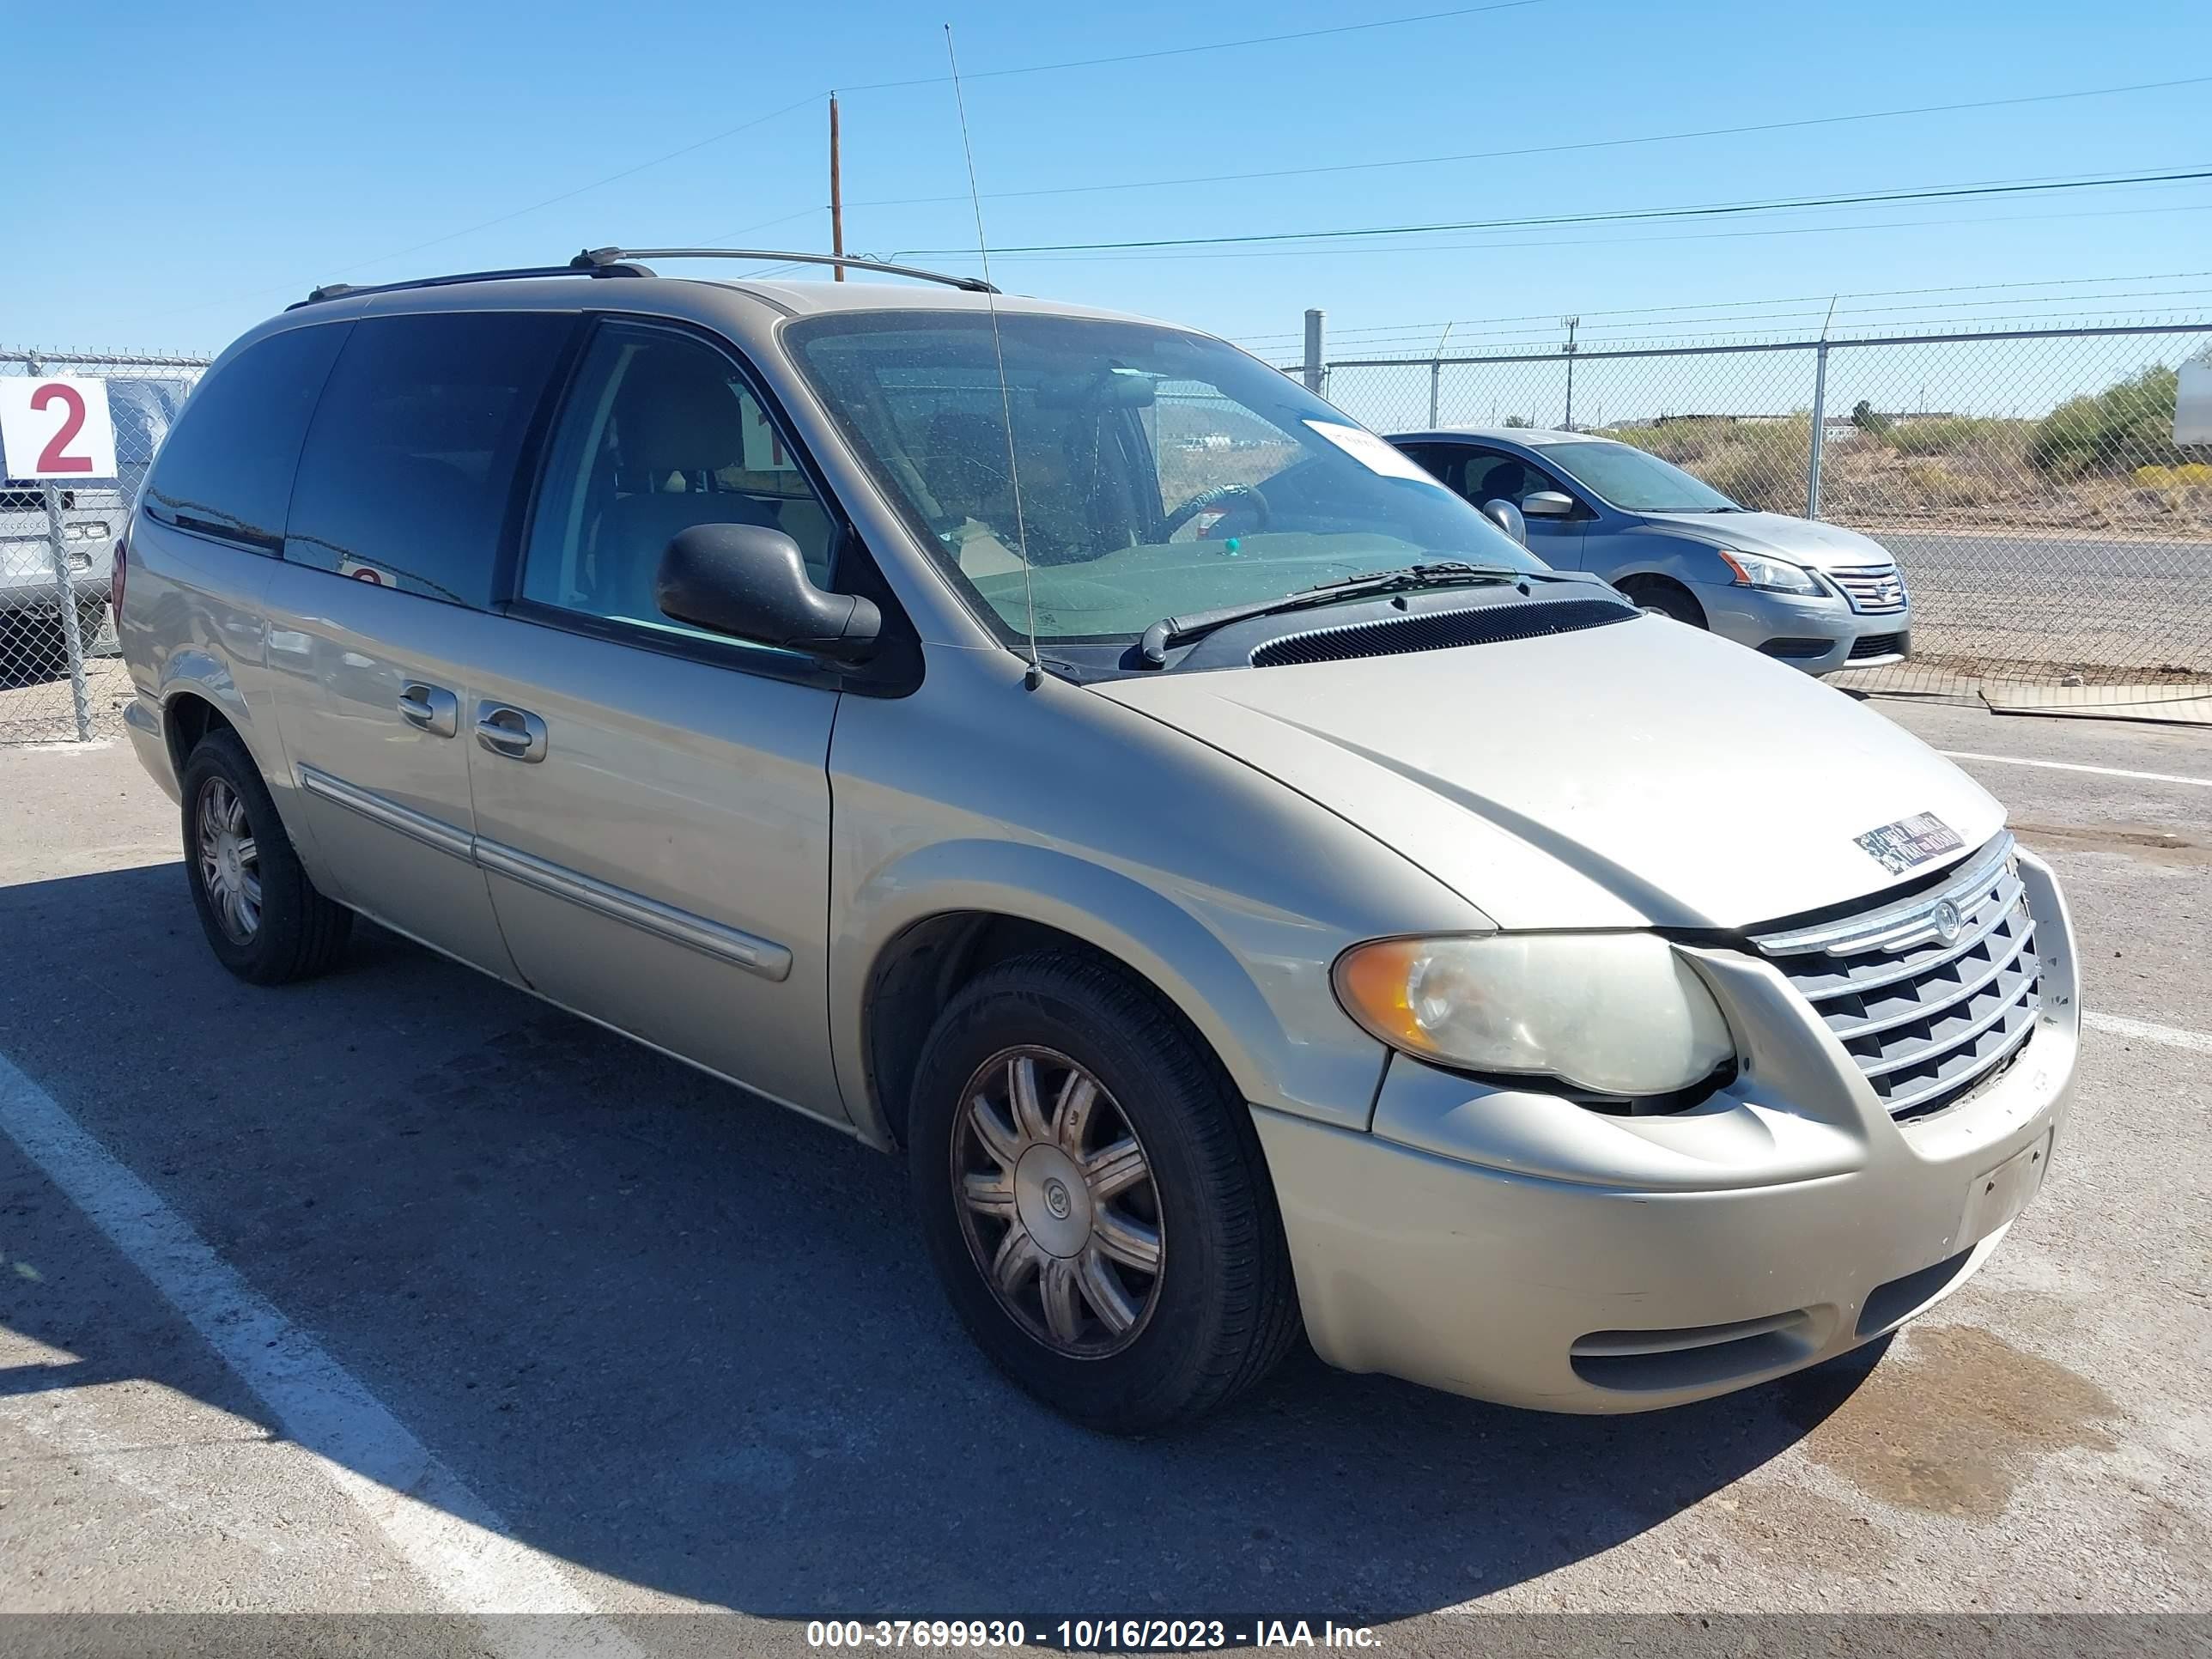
[1874, 590]
[1926, 1019]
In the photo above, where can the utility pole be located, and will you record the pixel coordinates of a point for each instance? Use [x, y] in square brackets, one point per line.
[836, 194]
[1571, 324]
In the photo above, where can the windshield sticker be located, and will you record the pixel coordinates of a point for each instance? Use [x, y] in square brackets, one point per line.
[1898, 847]
[1371, 451]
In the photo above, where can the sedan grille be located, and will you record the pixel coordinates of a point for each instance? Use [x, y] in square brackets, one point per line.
[1927, 1016]
[1874, 590]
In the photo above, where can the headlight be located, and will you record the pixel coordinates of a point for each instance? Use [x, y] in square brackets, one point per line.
[1775, 575]
[1613, 1013]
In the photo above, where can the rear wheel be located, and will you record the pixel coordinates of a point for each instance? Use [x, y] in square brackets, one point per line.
[1664, 598]
[1092, 1193]
[264, 918]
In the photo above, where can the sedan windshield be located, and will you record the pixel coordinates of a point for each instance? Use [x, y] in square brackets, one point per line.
[1635, 482]
[1149, 472]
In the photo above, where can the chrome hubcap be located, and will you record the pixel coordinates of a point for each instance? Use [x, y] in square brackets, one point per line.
[1057, 1202]
[229, 861]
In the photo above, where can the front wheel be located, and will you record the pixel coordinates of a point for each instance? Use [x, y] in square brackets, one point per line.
[1662, 598]
[1092, 1193]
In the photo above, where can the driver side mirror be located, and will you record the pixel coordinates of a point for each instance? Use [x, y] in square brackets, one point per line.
[750, 582]
[1507, 517]
[1547, 504]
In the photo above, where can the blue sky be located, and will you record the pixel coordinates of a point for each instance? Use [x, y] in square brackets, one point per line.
[198, 168]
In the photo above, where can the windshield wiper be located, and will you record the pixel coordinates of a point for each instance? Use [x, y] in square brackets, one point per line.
[1170, 631]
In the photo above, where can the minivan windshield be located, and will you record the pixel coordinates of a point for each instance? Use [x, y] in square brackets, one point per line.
[1153, 472]
[1636, 482]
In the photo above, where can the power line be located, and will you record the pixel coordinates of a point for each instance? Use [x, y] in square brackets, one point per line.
[1418, 333]
[1185, 52]
[1551, 149]
[1776, 300]
[1345, 250]
[1944, 192]
[811, 97]
[1551, 342]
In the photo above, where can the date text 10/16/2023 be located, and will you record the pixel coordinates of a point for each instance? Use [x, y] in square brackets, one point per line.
[1090, 1635]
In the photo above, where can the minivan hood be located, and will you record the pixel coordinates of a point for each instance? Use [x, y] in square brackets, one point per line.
[1642, 772]
[1801, 541]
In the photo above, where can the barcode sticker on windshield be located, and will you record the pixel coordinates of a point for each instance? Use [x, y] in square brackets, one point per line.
[1371, 451]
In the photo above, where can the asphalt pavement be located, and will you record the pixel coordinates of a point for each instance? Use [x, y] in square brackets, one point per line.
[401, 1292]
[2063, 596]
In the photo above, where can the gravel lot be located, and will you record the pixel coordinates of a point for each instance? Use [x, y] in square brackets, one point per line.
[590, 1332]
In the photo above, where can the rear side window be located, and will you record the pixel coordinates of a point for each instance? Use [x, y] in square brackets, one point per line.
[409, 465]
[226, 468]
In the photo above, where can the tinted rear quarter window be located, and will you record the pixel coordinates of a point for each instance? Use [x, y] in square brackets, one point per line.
[226, 468]
[409, 471]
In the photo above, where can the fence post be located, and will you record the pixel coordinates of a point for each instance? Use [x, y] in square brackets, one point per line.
[65, 597]
[1819, 430]
[1435, 387]
[1315, 377]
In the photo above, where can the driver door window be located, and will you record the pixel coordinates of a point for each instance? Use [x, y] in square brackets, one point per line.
[660, 433]
[1492, 475]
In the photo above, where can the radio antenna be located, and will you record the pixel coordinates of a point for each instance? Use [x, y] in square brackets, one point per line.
[1036, 675]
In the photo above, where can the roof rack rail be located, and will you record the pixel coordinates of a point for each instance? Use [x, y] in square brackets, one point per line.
[597, 268]
[603, 259]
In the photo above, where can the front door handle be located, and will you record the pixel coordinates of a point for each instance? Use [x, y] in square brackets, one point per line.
[432, 708]
[514, 732]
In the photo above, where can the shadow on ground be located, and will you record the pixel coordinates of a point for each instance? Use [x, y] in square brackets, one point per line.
[686, 1339]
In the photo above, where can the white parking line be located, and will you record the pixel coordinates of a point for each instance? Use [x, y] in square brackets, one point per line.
[444, 1530]
[2173, 1036]
[2069, 766]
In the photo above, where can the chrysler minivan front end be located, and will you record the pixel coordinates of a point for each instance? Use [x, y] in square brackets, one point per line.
[1891, 1104]
[1251, 891]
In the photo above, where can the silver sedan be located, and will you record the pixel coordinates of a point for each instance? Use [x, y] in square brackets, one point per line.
[1814, 595]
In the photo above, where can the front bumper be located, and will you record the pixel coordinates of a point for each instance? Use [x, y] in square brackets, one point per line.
[1818, 634]
[1512, 1246]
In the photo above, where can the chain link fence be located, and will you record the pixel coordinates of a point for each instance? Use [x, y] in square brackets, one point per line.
[62, 679]
[2056, 542]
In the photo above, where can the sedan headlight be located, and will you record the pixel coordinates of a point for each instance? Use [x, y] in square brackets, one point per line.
[1612, 1013]
[1774, 575]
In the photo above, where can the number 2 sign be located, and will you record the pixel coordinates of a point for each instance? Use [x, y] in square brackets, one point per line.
[56, 429]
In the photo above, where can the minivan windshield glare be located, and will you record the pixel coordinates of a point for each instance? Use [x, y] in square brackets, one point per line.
[1158, 472]
[1634, 481]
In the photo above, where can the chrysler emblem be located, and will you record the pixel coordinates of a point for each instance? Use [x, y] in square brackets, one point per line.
[1948, 922]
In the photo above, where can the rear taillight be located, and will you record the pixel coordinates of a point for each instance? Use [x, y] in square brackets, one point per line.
[115, 577]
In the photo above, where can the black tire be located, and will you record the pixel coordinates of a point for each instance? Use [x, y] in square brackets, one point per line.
[298, 932]
[1224, 1309]
[1667, 598]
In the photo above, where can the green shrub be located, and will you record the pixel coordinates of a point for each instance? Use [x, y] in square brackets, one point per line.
[1937, 485]
[1683, 442]
[1763, 465]
[1947, 435]
[1868, 419]
[2123, 427]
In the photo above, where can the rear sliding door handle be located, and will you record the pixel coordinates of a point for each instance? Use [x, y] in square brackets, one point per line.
[432, 708]
[514, 732]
